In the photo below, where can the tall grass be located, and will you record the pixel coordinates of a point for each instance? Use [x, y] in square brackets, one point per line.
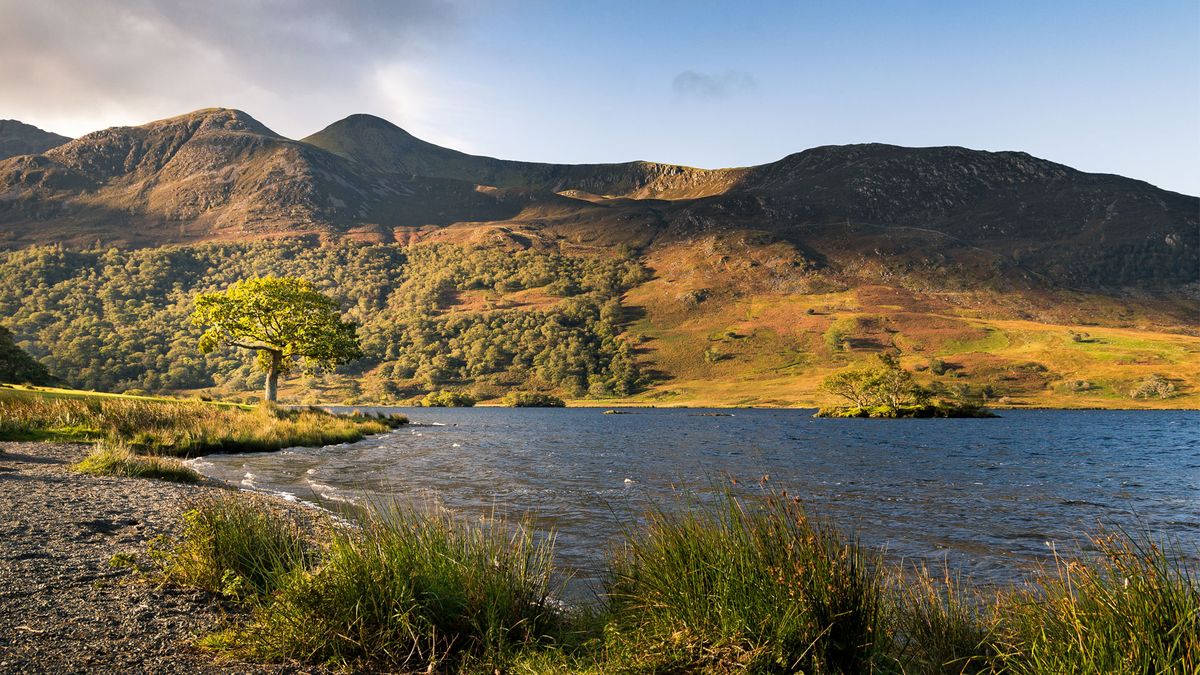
[938, 624]
[1133, 606]
[742, 585]
[235, 547]
[405, 589]
[177, 428]
[107, 459]
[745, 585]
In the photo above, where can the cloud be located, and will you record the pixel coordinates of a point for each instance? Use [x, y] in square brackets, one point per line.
[70, 64]
[692, 85]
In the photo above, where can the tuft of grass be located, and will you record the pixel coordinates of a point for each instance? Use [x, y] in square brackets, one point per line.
[234, 547]
[178, 428]
[117, 460]
[413, 590]
[745, 586]
[1131, 607]
[939, 624]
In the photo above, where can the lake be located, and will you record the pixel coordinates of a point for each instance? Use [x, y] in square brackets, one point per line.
[986, 496]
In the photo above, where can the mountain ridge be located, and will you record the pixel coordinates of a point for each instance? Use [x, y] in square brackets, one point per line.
[218, 173]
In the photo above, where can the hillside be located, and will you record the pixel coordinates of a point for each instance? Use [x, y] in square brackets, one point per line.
[18, 367]
[1014, 277]
[18, 138]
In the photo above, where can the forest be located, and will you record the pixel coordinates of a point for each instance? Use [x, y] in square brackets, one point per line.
[431, 316]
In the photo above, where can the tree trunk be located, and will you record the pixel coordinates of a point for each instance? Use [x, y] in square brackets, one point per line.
[272, 388]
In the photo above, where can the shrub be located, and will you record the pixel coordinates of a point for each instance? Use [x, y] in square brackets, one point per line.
[117, 460]
[447, 399]
[527, 399]
[744, 586]
[1155, 386]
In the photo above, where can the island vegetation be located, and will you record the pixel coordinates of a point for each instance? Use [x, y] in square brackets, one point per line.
[887, 390]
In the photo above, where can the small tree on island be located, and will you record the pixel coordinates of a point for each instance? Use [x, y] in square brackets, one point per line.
[884, 382]
[284, 319]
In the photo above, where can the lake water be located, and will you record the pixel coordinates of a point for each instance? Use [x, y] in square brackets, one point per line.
[986, 496]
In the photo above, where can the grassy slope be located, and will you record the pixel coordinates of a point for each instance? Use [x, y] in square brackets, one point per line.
[768, 347]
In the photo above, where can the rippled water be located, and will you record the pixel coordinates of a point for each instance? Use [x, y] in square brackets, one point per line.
[985, 495]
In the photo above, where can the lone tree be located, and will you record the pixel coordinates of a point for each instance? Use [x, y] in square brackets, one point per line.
[284, 319]
[881, 383]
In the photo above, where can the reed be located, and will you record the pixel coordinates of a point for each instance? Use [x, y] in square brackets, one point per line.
[1130, 606]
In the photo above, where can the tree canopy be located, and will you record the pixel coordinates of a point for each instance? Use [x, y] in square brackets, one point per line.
[284, 319]
[882, 383]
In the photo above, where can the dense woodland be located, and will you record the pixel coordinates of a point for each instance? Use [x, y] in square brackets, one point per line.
[110, 319]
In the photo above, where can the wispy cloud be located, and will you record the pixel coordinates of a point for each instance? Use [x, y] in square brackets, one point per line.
[693, 85]
[293, 63]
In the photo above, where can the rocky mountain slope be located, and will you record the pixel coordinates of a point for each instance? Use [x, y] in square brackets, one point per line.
[964, 216]
[18, 138]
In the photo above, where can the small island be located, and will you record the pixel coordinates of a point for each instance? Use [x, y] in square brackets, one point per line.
[885, 390]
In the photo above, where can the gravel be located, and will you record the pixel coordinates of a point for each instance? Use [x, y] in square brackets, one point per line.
[63, 607]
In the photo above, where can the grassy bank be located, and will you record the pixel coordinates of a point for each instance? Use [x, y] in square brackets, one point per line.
[173, 427]
[751, 585]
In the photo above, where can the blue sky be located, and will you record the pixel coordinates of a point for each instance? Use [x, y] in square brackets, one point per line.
[1101, 86]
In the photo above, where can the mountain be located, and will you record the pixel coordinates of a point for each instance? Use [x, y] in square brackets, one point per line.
[998, 272]
[18, 138]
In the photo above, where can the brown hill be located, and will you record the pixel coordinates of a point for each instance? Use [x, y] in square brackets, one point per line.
[18, 138]
[950, 215]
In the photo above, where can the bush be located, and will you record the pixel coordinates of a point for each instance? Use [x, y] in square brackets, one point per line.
[117, 460]
[745, 586]
[447, 399]
[1155, 386]
[529, 399]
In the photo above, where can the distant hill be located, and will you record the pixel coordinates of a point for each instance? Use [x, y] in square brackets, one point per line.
[218, 174]
[18, 138]
[17, 367]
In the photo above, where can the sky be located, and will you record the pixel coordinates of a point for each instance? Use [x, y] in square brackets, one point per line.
[1103, 86]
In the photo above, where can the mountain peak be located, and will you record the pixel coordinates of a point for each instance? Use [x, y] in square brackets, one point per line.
[18, 138]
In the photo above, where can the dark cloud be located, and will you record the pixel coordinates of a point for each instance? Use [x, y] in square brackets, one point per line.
[286, 61]
[693, 85]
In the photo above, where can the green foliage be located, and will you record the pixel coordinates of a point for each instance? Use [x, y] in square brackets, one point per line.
[416, 591]
[114, 320]
[447, 399]
[529, 399]
[18, 367]
[838, 335]
[108, 459]
[746, 585]
[882, 383]
[283, 319]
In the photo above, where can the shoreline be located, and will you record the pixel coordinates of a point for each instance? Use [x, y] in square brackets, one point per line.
[63, 606]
